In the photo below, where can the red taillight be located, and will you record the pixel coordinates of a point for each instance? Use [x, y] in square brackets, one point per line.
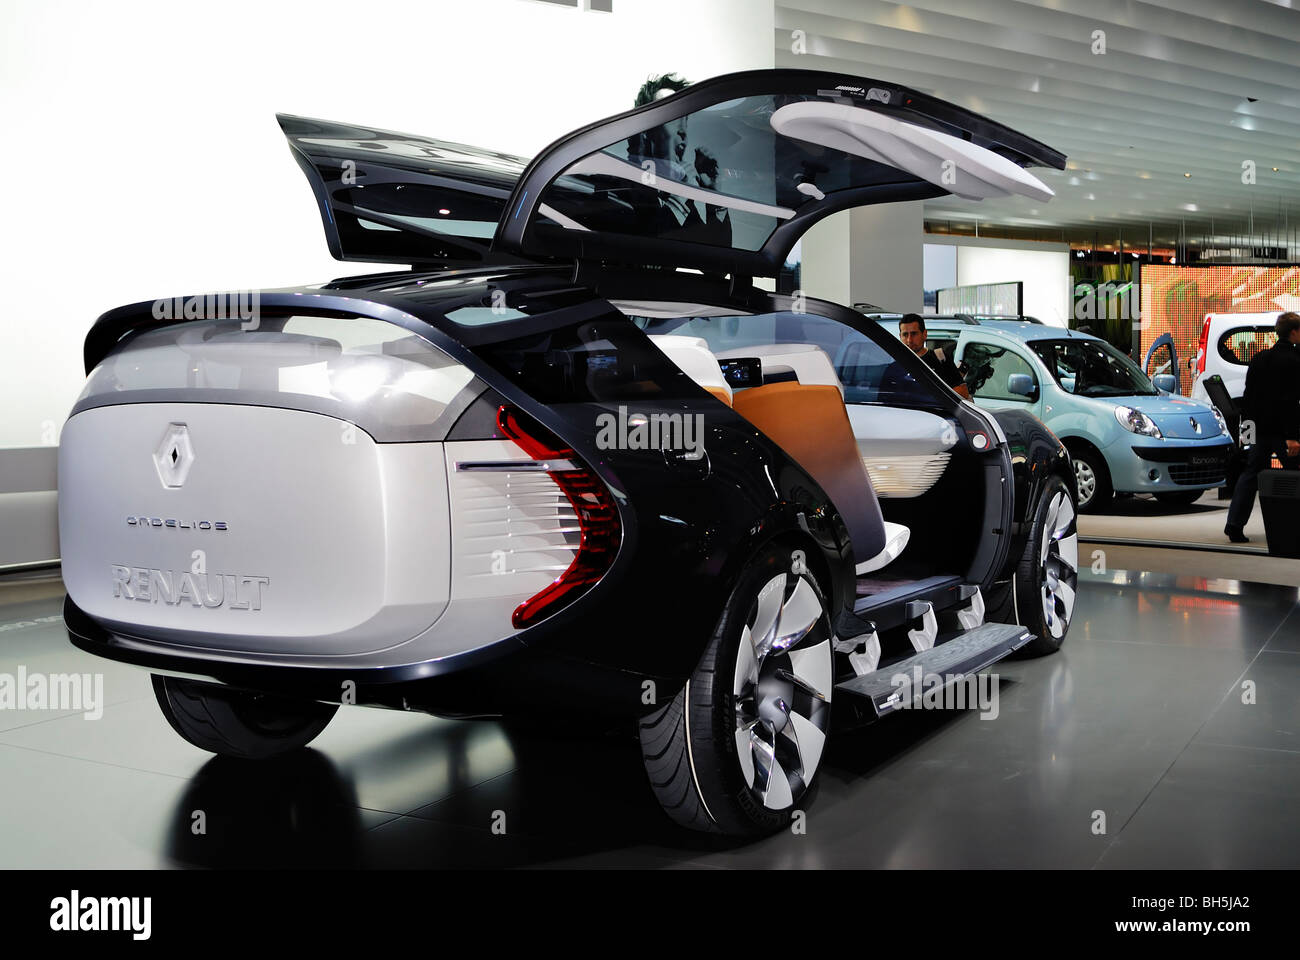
[1204, 345]
[593, 506]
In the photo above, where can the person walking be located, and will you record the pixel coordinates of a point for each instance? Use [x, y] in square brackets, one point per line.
[1272, 405]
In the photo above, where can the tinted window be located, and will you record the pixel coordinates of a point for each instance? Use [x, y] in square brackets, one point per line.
[988, 368]
[868, 372]
[720, 176]
[590, 360]
[1241, 346]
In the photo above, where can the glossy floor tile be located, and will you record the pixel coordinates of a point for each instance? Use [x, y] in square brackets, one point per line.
[1166, 733]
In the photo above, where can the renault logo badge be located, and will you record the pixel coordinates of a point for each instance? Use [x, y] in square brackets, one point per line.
[174, 456]
[1196, 427]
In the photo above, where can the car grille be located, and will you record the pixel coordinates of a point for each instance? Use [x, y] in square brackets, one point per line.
[1187, 474]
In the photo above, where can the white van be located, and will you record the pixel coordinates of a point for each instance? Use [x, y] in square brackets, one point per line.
[1229, 341]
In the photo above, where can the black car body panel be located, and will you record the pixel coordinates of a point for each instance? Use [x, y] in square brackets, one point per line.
[1036, 457]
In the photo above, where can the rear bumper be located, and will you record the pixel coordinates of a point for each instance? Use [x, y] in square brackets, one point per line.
[399, 686]
[507, 677]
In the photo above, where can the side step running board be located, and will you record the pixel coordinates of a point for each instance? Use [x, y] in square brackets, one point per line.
[964, 655]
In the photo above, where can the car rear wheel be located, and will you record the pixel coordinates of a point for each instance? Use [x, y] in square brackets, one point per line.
[739, 746]
[239, 723]
[1092, 479]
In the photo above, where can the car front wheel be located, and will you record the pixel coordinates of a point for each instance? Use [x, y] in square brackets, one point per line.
[738, 747]
[1092, 479]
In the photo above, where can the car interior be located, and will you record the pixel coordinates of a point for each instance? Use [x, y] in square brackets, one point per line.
[863, 428]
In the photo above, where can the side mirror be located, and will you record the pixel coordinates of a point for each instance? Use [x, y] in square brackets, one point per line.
[1021, 384]
[1165, 382]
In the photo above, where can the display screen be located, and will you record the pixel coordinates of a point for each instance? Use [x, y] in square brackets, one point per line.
[1176, 299]
[743, 372]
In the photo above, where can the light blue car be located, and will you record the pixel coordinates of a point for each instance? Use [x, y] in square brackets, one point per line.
[1125, 433]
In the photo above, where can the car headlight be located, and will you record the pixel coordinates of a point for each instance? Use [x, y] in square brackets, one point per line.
[1223, 424]
[1135, 421]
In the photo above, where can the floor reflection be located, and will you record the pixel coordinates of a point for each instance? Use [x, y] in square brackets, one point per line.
[1133, 718]
[294, 812]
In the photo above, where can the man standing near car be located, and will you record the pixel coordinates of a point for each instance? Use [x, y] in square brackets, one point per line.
[1272, 404]
[911, 330]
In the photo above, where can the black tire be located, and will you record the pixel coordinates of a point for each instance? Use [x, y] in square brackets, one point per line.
[1092, 478]
[239, 723]
[1026, 602]
[1179, 498]
[689, 745]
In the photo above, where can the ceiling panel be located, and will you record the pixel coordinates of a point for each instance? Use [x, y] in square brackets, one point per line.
[1185, 87]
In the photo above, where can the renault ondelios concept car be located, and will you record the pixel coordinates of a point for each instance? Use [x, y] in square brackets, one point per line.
[575, 459]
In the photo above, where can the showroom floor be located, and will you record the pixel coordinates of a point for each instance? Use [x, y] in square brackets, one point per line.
[1146, 519]
[1140, 718]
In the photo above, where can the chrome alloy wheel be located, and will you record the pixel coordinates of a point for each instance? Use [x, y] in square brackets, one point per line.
[1059, 556]
[783, 679]
[1086, 480]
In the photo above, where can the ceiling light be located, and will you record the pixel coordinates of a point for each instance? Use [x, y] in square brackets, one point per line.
[1186, 174]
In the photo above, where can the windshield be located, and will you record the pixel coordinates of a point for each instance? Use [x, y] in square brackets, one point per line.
[1093, 368]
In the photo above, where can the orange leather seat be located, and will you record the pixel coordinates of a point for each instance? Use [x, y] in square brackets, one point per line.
[809, 422]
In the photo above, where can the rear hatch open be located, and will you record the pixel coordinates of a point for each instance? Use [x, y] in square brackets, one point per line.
[726, 175]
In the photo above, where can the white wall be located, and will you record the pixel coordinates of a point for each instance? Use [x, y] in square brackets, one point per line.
[1044, 268]
[824, 253]
[867, 254]
[888, 255]
[142, 158]
[940, 269]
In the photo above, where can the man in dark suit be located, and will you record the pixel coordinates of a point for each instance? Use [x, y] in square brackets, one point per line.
[1271, 408]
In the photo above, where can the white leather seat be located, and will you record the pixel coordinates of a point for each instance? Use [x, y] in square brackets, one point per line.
[887, 438]
[896, 538]
[693, 356]
[807, 361]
